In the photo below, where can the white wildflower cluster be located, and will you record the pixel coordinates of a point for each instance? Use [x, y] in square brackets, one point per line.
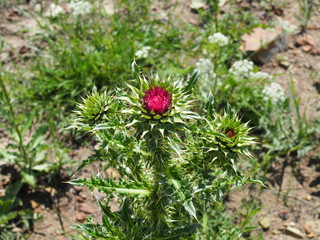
[242, 69]
[286, 26]
[206, 69]
[78, 7]
[218, 39]
[207, 76]
[143, 52]
[54, 11]
[260, 76]
[274, 92]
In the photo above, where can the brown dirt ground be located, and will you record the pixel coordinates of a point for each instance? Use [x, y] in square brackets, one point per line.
[292, 197]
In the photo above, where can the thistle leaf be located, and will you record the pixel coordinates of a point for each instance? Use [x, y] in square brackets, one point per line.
[188, 205]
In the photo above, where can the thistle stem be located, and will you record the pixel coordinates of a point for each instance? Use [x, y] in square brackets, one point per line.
[159, 201]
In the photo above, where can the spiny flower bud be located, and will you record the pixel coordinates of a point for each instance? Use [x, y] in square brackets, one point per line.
[157, 101]
[230, 133]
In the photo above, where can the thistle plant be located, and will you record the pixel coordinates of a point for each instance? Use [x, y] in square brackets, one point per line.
[174, 164]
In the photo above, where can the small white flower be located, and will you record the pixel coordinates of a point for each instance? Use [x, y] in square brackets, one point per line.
[80, 7]
[260, 75]
[207, 76]
[242, 69]
[143, 52]
[54, 11]
[218, 39]
[274, 92]
[286, 26]
[204, 66]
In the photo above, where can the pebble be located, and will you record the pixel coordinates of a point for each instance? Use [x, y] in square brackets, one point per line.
[77, 188]
[51, 190]
[86, 209]
[294, 232]
[34, 204]
[265, 43]
[284, 64]
[307, 229]
[307, 197]
[276, 232]
[265, 223]
[17, 230]
[283, 214]
[80, 199]
[310, 235]
[81, 217]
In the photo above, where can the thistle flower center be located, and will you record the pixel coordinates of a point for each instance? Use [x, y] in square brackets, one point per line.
[157, 100]
[230, 133]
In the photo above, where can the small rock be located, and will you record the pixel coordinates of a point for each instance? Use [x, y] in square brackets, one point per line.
[276, 232]
[34, 204]
[307, 228]
[72, 154]
[264, 43]
[81, 217]
[38, 210]
[79, 199]
[290, 46]
[78, 189]
[265, 223]
[310, 235]
[314, 51]
[304, 40]
[112, 173]
[98, 195]
[294, 232]
[283, 214]
[63, 202]
[285, 64]
[307, 66]
[259, 38]
[295, 52]
[306, 48]
[86, 209]
[292, 224]
[83, 195]
[17, 230]
[51, 190]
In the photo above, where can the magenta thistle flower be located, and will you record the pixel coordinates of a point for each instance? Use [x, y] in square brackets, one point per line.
[157, 101]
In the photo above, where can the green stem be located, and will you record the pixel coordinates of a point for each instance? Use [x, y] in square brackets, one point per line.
[16, 128]
[205, 220]
[159, 201]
